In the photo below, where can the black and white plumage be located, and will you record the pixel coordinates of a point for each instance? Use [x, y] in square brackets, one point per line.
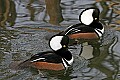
[58, 59]
[89, 23]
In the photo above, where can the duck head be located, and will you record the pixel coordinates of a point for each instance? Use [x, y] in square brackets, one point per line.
[59, 45]
[89, 15]
[58, 42]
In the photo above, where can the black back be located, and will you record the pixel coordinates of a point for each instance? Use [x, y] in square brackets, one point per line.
[49, 56]
[79, 28]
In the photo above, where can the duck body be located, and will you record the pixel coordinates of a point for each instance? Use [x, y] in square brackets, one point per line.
[81, 31]
[45, 60]
[89, 26]
[58, 59]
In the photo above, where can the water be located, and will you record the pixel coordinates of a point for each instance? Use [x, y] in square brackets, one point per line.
[26, 26]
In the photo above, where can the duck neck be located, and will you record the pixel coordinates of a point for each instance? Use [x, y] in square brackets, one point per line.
[67, 57]
[64, 53]
[96, 24]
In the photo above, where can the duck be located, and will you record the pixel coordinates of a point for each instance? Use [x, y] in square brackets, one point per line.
[89, 27]
[57, 59]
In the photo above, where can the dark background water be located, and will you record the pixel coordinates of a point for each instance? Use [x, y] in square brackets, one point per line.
[26, 24]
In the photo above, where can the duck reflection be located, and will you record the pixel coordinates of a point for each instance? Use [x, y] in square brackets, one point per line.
[7, 12]
[90, 50]
[99, 63]
[97, 55]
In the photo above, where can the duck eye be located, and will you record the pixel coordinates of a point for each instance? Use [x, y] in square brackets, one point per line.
[95, 18]
[64, 45]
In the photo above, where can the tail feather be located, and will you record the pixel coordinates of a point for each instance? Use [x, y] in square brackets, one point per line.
[20, 65]
[24, 64]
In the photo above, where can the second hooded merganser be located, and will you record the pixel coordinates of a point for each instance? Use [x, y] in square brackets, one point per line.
[58, 59]
[89, 28]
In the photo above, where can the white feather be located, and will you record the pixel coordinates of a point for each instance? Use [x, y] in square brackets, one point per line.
[69, 62]
[37, 59]
[86, 17]
[101, 31]
[55, 43]
[69, 31]
[73, 30]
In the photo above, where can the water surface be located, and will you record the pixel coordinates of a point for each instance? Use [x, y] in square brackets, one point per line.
[26, 24]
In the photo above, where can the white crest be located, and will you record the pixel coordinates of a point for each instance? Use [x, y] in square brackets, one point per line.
[55, 43]
[86, 17]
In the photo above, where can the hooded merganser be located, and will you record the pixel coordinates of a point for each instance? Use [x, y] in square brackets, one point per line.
[58, 59]
[89, 28]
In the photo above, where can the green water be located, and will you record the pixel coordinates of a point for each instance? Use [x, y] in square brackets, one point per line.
[25, 26]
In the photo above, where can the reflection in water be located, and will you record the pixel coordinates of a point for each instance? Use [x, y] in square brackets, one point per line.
[100, 59]
[7, 12]
[90, 50]
[105, 10]
[54, 11]
[108, 10]
[32, 10]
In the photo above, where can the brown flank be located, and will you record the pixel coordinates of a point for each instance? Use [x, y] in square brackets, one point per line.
[83, 36]
[48, 66]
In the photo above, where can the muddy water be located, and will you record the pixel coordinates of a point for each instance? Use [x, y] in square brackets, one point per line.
[26, 25]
